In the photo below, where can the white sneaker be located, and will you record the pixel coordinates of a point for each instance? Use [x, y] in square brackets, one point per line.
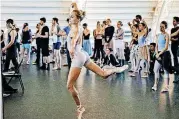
[145, 75]
[5, 95]
[132, 74]
[27, 63]
[154, 88]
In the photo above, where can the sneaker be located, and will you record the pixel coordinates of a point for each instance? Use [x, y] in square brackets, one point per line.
[52, 62]
[145, 75]
[5, 95]
[34, 63]
[56, 68]
[154, 88]
[43, 67]
[27, 63]
[131, 70]
[176, 81]
[132, 74]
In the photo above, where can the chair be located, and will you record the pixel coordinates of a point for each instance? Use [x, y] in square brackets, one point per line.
[15, 74]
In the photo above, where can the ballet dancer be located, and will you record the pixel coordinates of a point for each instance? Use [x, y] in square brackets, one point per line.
[80, 58]
[119, 43]
[134, 46]
[162, 53]
[142, 54]
[10, 48]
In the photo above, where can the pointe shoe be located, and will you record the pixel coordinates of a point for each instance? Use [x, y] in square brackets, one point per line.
[56, 68]
[121, 69]
[109, 73]
[80, 112]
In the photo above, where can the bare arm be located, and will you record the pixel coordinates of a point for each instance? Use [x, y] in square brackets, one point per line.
[175, 33]
[173, 39]
[120, 34]
[156, 47]
[44, 36]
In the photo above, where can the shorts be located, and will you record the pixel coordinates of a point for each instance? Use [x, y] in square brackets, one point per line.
[26, 46]
[45, 50]
[80, 59]
[56, 46]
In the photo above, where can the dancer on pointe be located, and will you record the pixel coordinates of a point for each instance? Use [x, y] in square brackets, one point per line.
[80, 58]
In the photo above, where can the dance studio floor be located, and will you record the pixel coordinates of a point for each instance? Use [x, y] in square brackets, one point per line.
[119, 97]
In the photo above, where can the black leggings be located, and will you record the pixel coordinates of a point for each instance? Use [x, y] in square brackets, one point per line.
[10, 55]
[174, 48]
[18, 46]
[99, 49]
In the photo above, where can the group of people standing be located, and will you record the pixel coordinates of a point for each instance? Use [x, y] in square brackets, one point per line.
[109, 48]
[158, 55]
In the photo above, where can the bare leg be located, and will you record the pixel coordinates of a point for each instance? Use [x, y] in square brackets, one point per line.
[72, 77]
[23, 53]
[55, 58]
[157, 67]
[96, 69]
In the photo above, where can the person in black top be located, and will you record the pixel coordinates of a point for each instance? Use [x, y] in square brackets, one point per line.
[86, 40]
[2, 45]
[44, 36]
[175, 40]
[110, 59]
[38, 43]
[152, 57]
[10, 48]
[26, 41]
[2, 39]
[127, 52]
[108, 34]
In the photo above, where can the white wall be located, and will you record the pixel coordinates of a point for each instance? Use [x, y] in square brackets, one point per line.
[31, 11]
